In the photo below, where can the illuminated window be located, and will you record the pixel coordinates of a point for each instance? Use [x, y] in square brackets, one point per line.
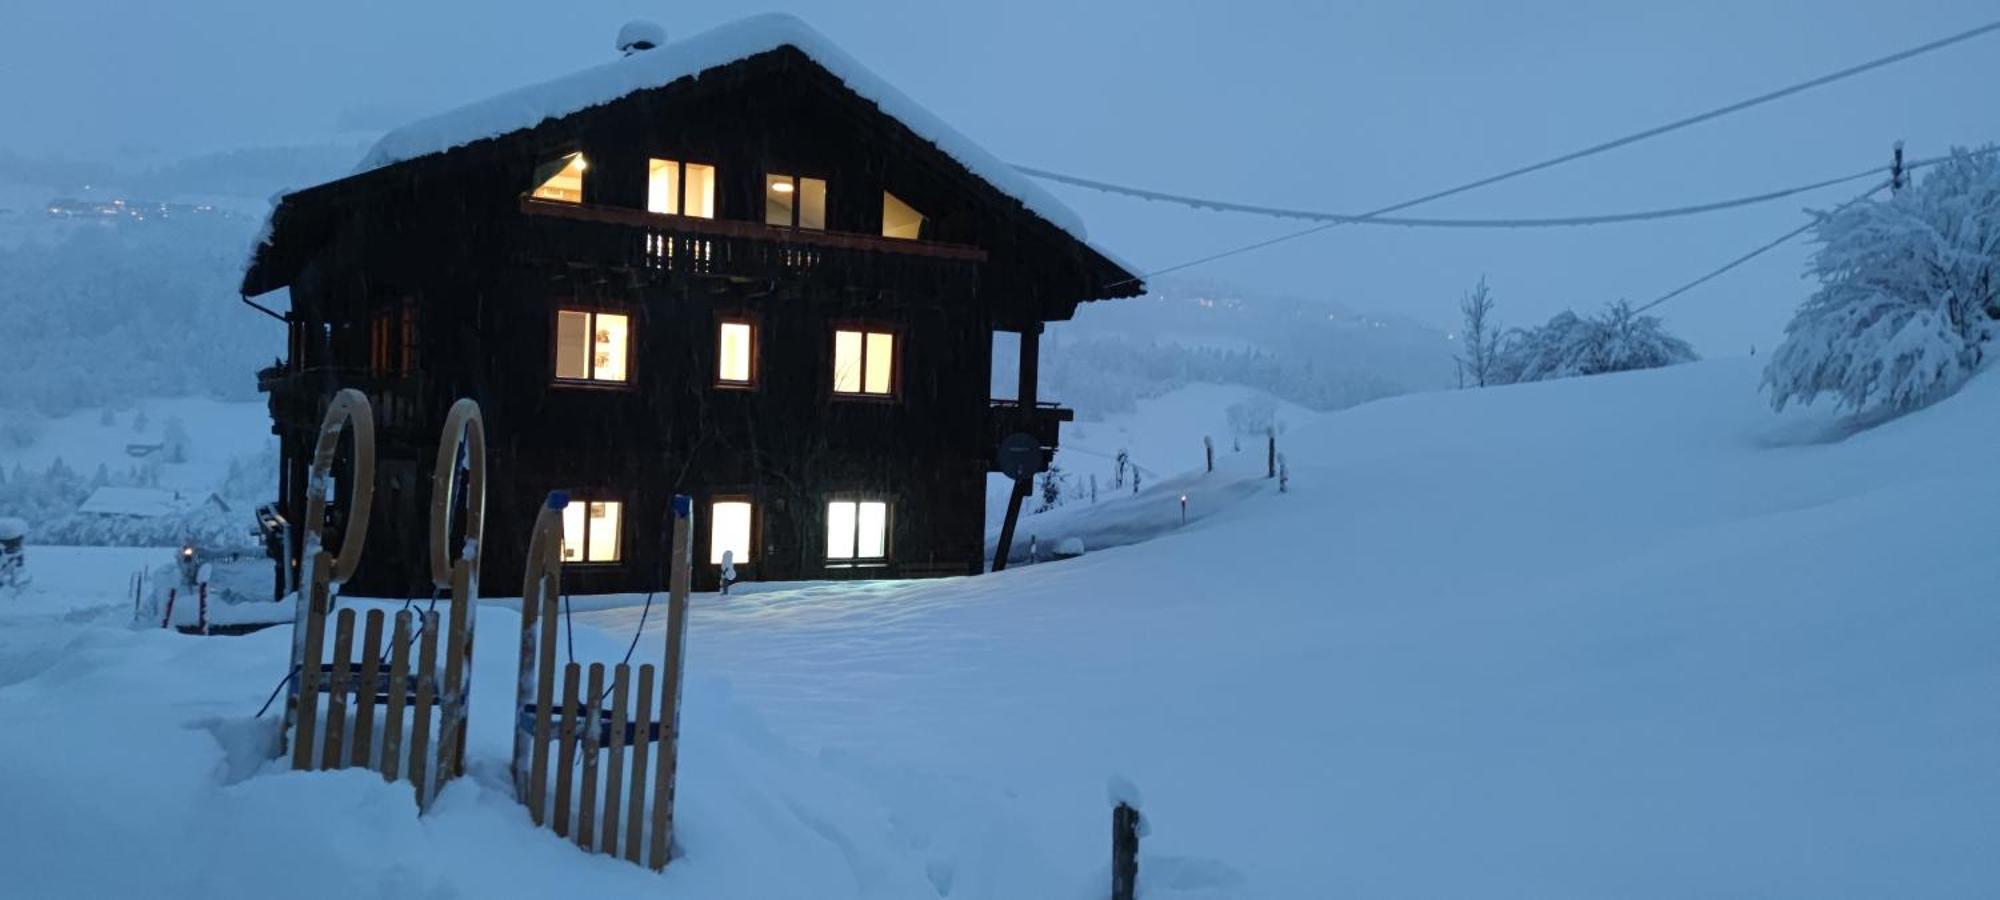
[735, 346]
[666, 180]
[561, 180]
[863, 362]
[795, 202]
[591, 346]
[899, 219]
[729, 531]
[392, 340]
[590, 531]
[857, 529]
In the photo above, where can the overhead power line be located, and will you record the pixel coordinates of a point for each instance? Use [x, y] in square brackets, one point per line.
[1606, 146]
[1802, 229]
[1410, 222]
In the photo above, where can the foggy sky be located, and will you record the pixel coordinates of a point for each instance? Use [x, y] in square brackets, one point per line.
[1342, 106]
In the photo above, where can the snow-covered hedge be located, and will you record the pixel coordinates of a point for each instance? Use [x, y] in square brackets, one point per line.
[1909, 295]
[1618, 340]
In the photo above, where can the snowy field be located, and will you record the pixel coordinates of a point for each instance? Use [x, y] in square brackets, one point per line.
[218, 431]
[1626, 636]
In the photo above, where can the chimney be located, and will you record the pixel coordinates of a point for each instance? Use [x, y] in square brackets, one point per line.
[638, 35]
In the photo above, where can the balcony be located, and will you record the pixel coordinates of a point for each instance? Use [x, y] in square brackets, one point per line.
[656, 243]
[298, 397]
[1041, 421]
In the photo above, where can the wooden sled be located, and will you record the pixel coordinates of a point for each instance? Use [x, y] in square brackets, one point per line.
[625, 755]
[320, 730]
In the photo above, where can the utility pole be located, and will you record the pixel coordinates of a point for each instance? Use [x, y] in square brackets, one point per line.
[1896, 176]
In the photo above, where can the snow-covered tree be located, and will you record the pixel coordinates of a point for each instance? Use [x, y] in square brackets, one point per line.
[1569, 345]
[1052, 488]
[1480, 336]
[1909, 295]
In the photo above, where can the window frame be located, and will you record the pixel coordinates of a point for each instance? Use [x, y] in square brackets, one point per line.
[798, 205]
[681, 187]
[582, 182]
[866, 327]
[600, 495]
[756, 538]
[737, 317]
[587, 382]
[883, 226]
[858, 561]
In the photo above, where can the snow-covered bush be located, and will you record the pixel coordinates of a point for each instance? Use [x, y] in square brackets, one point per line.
[1619, 340]
[1909, 295]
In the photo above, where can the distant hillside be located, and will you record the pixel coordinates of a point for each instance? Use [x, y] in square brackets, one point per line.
[1315, 353]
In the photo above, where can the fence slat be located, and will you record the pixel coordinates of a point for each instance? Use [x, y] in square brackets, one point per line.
[545, 698]
[566, 754]
[305, 715]
[614, 773]
[399, 693]
[457, 661]
[335, 755]
[364, 693]
[586, 799]
[642, 702]
[420, 712]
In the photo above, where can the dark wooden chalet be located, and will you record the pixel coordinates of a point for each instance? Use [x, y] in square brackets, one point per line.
[738, 267]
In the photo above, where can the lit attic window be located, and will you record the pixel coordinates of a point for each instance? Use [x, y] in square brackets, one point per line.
[899, 219]
[561, 180]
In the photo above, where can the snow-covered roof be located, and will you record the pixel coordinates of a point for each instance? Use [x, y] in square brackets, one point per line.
[530, 106]
[145, 503]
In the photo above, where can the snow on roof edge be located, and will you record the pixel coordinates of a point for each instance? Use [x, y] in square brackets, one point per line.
[526, 107]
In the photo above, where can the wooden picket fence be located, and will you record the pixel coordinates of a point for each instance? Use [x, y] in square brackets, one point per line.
[611, 785]
[368, 704]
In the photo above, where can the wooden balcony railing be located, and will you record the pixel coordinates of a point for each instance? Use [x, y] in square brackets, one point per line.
[298, 397]
[684, 244]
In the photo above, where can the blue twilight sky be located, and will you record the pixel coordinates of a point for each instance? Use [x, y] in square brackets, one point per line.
[1337, 105]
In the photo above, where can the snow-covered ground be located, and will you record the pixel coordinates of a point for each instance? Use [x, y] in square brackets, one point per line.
[218, 431]
[1627, 636]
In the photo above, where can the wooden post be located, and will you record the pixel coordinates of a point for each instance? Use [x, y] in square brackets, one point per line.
[335, 755]
[1208, 451]
[614, 771]
[671, 679]
[1271, 453]
[399, 694]
[586, 795]
[565, 772]
[1124, 852]
[420, 711]
[642, 742]
[1006, 544]
[304, 709]
[371, 679]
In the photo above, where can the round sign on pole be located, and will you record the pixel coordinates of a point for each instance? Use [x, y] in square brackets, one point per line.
[1019, 456]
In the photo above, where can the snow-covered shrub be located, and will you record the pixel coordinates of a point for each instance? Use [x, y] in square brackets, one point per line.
[1909, 295]
[1569, 345]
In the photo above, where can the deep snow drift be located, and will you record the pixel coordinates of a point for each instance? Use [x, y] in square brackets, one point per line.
[1622, 636]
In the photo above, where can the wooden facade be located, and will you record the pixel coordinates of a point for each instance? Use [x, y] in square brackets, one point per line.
[441, 277]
